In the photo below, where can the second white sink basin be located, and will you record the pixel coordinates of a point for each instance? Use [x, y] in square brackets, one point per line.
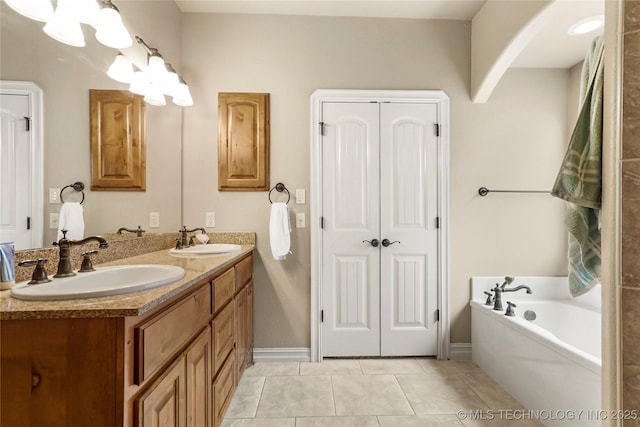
[211, 248]
[102, 282]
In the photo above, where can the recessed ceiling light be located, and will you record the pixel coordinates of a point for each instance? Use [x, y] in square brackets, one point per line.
[586, 25]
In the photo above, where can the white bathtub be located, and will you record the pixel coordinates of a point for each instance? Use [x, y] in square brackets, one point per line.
[552, 364]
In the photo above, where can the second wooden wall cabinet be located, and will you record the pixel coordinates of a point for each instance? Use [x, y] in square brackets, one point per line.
[118, 147]
[243, 141]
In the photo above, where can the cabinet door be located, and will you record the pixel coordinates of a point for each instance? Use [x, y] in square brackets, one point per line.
[198, 360]
[248, 360]
[118, 159]
[243, 143]
[241, 331]
[163, 404]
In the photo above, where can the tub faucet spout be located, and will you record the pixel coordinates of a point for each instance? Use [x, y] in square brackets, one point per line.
[517, 288]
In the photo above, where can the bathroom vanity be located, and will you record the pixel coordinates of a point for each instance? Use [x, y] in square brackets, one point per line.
[170, 356]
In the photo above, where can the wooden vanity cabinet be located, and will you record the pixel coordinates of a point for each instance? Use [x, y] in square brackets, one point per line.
[175, 366]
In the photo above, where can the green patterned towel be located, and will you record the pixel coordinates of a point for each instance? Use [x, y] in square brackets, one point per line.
[579, 181]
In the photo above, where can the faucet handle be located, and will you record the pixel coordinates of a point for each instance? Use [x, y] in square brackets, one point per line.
[178, 243]
[489, 300]
[39, 274]
[510, 311]
[87, 264]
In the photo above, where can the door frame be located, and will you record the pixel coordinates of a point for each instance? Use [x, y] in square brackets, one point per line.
[441, 100]
[34, 93]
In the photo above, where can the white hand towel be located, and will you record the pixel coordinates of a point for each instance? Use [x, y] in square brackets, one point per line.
[72, 219]
[279, 229]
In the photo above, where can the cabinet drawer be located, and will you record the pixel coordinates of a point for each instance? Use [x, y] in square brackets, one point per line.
[223, 387]
[223, 288]
[160, 337]
[223, 335]
[244, 271]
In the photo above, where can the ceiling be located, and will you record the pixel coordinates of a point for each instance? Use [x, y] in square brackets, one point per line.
[551, 48]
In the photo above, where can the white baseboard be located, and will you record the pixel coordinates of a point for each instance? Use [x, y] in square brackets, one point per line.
[460, 351]
[300, 354]
[457, 351]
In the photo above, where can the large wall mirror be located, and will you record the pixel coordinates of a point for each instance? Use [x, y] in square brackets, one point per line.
[66, 74]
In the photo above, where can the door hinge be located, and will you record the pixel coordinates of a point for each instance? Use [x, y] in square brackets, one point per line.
[28, 223]
[437, 222]
[321, 316]
[437, 315]
[437, 129]
[28, 123]
[321, 128]
[322, 222]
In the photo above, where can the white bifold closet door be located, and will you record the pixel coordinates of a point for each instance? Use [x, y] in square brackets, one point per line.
[379, 198]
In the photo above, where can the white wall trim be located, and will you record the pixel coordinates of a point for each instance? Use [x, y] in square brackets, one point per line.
[460, 351]
[34, 93]
[418, 96]
[301, 354]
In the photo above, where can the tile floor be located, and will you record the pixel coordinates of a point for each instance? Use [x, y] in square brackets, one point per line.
[371, 393]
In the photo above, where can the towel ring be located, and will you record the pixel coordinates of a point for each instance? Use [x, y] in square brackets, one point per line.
[78, 186]
[279, 187]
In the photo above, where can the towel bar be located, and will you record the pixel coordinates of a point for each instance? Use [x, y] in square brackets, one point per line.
[483, 191]
[279, 187]
[78, 186]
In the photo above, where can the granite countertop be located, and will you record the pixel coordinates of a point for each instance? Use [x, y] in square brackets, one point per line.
[132, 304]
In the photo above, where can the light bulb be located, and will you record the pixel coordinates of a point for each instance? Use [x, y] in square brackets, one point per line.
[121, 70]
[154, 96]
[39, 10]
[64, 26]
[156, 68]
[140, 83]
[111, 31]
[182, 96]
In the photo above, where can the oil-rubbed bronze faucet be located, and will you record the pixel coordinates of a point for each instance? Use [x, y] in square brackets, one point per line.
[138, 231]
[184, 242]
[64, 263]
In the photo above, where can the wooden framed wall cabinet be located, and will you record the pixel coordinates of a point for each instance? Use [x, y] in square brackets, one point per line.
[243, 141]
[118, 147]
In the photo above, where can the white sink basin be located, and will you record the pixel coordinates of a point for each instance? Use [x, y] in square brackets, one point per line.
[102, 282]
[211, 248]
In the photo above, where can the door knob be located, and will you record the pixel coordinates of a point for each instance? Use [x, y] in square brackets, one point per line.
[375, 242]
[387, 242]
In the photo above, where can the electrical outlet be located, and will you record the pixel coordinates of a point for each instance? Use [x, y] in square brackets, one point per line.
[54, 220]
[54, 196]
[300, 220]
[210, 220]
[300, 196]
[154, 219]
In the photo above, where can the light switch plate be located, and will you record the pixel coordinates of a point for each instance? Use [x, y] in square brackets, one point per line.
[54, 196]
[210, 219]
[54, 220]
[301, 198]
[154, 219]
[300, 220]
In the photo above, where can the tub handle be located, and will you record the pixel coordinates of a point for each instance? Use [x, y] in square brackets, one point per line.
[489, 300]
[510, 311]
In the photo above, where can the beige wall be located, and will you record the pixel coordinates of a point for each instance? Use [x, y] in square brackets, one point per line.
[65, 74]
[515, 141]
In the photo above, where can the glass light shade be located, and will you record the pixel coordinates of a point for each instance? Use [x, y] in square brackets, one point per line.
[39, 10]
[111, 31]
[155, 96]
[170, 82]
[121, 70]
[64, 26]
[87, 11]
[156, 69]
[182, 96]
[140, 83]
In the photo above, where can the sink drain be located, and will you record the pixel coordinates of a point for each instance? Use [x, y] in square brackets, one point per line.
[530, 315]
